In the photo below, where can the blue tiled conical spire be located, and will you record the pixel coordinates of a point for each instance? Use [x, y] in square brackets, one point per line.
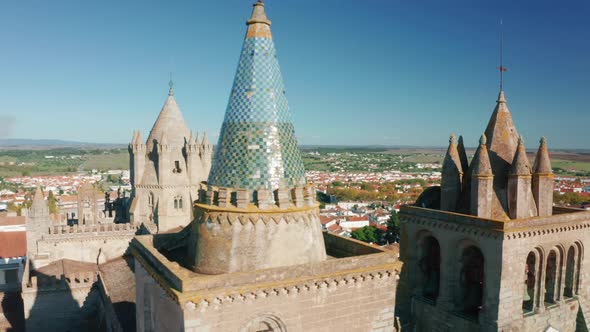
[257, 146]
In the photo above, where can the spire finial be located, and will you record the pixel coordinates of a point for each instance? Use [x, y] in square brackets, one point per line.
[543, 140]
[483, 139]
[502, 68]
[171, 85]
[520, 140]
[452, 138]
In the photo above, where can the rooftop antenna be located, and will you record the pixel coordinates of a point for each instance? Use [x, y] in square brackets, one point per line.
[502, 68]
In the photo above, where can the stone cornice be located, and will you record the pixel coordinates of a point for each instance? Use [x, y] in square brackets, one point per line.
[561, 221]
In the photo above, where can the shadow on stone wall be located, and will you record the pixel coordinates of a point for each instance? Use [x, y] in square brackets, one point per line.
[12, 309]
[52, 305]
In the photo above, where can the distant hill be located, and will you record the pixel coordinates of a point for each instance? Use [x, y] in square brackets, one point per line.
[42, 144]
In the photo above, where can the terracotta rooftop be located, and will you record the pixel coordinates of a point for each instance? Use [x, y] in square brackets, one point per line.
[118, 279]
[13, 244]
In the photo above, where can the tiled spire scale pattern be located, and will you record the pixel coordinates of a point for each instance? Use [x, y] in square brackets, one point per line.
[257, 146]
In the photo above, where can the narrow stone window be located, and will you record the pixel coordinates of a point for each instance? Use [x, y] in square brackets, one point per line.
[177, 168]
[551, 278]
[430, 267]
[530, 281]
[176, 203]
[180, 203]
[471, 281]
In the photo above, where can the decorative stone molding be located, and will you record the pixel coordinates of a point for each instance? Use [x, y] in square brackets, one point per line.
[229, 217]
[289, 289]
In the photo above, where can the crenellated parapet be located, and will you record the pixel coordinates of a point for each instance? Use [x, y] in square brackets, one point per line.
[63, 282]
[261, 199]
[106, 229]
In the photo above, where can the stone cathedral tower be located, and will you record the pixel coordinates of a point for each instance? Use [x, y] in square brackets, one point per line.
[489, 251]
[254, 257]
[167, 169]
[257, 169]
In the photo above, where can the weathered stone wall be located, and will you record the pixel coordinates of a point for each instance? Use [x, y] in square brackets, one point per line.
[515, 248]
[356, 303]
[505, 247]
[156, 311]
[100, 244]
[61, 306]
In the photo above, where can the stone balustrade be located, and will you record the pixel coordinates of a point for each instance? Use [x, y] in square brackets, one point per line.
[264, 199]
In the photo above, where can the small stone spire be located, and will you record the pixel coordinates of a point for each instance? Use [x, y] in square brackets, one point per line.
[38, 199]
[482, 182]
[191, 139]
[452, 175]
[462, 154]
[198, 138]
[520, 164]
[543, 180]
[134, 139]
[481, 161]
[205, 141]
[258, 24]
[521, 203]
[542, 163]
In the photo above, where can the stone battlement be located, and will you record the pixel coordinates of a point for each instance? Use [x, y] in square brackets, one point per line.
[64, 282]
[109, 229]
[261, 199]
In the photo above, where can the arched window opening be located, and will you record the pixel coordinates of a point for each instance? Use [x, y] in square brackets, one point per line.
[570, 272]
[471, 281]
[551, 284]
[266, 323]
[180, 203]
[530, 281]
[176, 203]
[578, 265]
[150, 199]
[430, 267]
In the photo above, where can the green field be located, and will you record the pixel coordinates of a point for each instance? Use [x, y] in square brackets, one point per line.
[580, 168]
[103, 162]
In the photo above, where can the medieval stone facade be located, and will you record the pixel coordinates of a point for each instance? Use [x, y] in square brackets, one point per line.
[167, 169]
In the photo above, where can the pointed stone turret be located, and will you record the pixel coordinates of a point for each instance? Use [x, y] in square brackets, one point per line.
[502, 139]
[482, 182]
[171, 122]
[166, 170]
[38, 220]
[452, 174]
[520, 197]
[38, 199]
[543, 180]
[256, 158]
[257, 146]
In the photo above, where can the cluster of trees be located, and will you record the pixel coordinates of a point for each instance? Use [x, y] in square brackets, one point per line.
[569, 199]
[368, 191]
[371, 234]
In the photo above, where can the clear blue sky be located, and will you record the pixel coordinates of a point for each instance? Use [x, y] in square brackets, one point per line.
[385, 72]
